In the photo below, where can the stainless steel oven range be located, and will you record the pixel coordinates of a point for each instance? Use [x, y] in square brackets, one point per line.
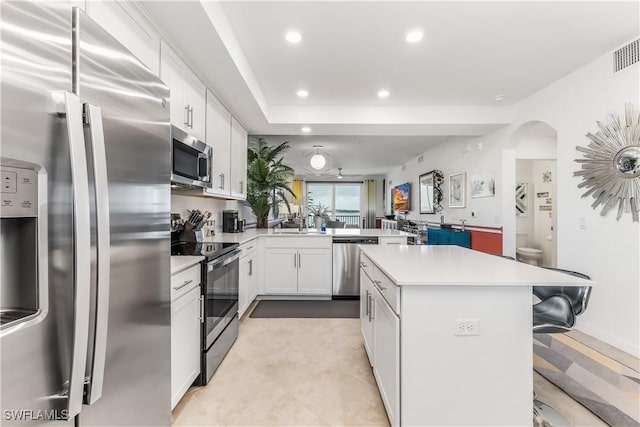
[219, 300]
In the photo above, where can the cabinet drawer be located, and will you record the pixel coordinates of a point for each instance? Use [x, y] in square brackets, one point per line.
[393, 240]
[366, 265]
[248, 248]
[183, 282]
[298, 242]
[387, 289]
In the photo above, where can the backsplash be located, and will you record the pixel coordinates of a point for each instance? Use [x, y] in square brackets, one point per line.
[180, 204]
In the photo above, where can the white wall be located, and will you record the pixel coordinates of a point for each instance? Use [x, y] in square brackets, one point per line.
[606, 249]
[470, 155]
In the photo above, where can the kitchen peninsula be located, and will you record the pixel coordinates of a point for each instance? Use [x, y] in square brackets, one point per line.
[448, 332]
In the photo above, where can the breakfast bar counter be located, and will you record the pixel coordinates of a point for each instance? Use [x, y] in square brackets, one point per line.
[448, 332]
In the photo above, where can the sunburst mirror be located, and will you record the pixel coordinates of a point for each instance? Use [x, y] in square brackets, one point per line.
[611, 164]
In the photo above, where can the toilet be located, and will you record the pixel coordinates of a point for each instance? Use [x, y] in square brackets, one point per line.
[529, 255]
[525, 254]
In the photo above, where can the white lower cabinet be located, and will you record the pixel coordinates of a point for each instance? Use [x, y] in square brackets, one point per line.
[248, 283]
[380, 326]
[386, 355]
[366, 322]
[185, 342]
[297, 270]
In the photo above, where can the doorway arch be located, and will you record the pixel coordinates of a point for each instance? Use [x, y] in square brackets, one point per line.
[533, 146]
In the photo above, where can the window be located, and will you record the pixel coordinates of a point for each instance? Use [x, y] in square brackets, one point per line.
[343, 200]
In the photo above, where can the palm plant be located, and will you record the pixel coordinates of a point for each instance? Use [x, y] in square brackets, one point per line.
[268, 180]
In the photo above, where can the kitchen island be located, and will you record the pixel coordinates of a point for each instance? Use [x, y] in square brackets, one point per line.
[254, 233]
[448, 332]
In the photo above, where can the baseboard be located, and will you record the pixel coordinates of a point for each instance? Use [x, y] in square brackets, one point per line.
[611, 340]
[294, 297]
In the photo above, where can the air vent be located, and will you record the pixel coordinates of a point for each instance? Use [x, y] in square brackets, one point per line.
[626, 56]
[420, 159]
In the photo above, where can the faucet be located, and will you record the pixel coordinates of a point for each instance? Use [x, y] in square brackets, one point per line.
[463, 221]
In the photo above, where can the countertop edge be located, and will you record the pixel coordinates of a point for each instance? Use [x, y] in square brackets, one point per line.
[185, 263]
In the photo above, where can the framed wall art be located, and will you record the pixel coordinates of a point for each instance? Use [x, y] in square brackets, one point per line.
[457, 190]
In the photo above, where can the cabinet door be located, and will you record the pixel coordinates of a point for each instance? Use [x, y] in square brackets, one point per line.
[218, 131]
[386, 349]
[172, 71]
[244, 284]
[130, 27]
[281, 271]
[196, 100]
[238, 160]
[314, 271]
[253, 279]
[366, 322]
[185, 343]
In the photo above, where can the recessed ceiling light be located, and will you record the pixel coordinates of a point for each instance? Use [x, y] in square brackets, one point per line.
[306, 129]
[302, 93]
[293, 37]
[414, 36]
[498, 98]
[383, 93]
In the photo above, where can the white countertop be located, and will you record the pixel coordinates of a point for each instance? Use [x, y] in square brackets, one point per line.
[182, 262]
[457, 266]
[257, 232]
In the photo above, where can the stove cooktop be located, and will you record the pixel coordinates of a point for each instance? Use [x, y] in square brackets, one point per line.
[208, 250]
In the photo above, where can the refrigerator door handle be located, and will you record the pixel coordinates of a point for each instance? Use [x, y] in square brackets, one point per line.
[81, 250]
[93, 116]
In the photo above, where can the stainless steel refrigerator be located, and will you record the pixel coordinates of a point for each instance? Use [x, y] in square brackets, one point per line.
[85, 242]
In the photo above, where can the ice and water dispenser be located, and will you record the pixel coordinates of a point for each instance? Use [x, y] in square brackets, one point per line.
[20, 297]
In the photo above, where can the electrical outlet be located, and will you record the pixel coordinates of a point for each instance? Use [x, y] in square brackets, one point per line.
[582, 223]
[474, 214]
[466, 327]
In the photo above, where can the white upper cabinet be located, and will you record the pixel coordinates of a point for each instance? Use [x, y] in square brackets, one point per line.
[219, 137]
[239, 138]
[188, 104]
[196, 100]
[126, 23]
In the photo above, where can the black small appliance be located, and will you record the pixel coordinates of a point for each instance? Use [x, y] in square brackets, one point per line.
[230, 222]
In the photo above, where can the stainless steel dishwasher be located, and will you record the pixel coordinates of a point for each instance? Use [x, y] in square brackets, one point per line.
[346, 265]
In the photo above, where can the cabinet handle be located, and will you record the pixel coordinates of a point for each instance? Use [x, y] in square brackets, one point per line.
[186, 282]
[201, 308]
[394, 243]
[299, 260]
[367, 302]
[191, 117]
[241, 187]
[295, 260]
[363, 264]
[372, 315]
[221, 181]
[250, 267]
[379, 285]
[186, 117]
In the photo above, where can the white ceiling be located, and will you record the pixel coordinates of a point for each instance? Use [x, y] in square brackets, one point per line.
[356, 155]
[471, 51]
[441, 87]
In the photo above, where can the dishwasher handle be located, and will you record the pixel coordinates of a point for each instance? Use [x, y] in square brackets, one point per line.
[355, 240]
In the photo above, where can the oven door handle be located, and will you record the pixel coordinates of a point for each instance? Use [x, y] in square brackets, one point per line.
[235, 256]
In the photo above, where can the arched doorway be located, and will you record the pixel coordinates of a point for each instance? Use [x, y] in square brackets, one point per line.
[532, 204]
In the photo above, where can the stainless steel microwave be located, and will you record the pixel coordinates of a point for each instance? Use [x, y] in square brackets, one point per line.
[190, 160]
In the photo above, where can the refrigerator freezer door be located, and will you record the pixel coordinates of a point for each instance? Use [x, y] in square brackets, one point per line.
[36, 357]
[135, 120]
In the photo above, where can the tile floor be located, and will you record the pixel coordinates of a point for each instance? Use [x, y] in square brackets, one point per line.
[309, 372]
